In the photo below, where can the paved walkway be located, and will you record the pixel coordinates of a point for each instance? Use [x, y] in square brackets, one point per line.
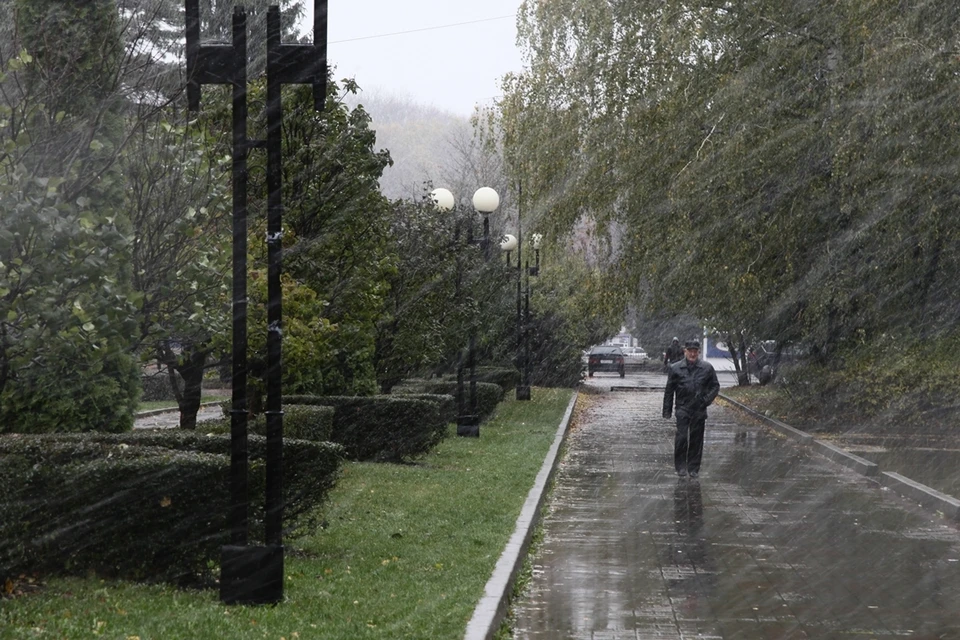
[171, 419]
[772, 541]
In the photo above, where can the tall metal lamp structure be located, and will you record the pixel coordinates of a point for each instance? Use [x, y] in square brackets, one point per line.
[526, 370]
[485, 202]
[254, 574]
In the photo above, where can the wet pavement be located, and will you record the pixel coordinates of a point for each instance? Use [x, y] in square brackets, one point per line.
[772, 541]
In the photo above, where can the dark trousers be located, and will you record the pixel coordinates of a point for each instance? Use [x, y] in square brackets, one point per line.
[688, 445]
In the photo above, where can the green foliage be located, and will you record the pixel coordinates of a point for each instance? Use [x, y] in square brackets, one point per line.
[177, 192]
[383, 428]
[335, 246]
[165, 518]
[405, 551]
[156, 386]
[66, 307]
[74, 389]
[300, 422]
[894, 383]
[556, 360]
[506, 379]
[447, 404]
[489, 395]
[784, 177]
[164, 524]
[77, 48]
[425, 306]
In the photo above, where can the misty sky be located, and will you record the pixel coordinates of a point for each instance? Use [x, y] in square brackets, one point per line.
[452, 67]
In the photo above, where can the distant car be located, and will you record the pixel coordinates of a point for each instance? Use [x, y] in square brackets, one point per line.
[606, 358]
[635, 354]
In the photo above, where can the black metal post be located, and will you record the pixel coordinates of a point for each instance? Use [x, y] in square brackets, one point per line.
[523, 345]
[274, 412]
[461, 408]
[468, 425]
[254, 575]
[527, 364]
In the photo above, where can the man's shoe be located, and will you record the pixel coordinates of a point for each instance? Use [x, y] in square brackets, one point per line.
[694, 474]
[681, 472]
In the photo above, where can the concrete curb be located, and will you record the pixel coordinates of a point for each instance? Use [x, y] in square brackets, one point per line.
[492, 608]
[778, 426]
[847, 459]
[927, 497]
[636, 388]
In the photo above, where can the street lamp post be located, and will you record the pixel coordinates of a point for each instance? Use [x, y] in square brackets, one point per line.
[508, 244]
[254, 574]
[485, 201]
[523, 390]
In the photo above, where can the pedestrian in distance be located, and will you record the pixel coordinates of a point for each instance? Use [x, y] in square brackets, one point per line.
[674, 353]
[692, 386]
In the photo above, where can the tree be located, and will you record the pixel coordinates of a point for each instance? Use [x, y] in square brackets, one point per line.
[67, 307]
[178, 197]
[777, 157]
[335, 241]
[426, 304]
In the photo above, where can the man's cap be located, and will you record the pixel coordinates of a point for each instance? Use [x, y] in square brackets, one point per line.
[692, 344]
[676, 339]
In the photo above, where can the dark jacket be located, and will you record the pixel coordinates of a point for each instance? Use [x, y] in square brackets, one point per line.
[694, 385]
[674, 352]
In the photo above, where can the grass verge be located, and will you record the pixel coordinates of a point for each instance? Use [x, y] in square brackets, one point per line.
[405, 552]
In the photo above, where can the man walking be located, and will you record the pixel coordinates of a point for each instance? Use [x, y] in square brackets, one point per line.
[673, 353]
[695, 385]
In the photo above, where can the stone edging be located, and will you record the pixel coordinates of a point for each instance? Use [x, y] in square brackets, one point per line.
[492, 608]
[927, 497]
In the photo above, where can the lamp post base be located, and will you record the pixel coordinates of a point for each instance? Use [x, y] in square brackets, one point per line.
[468, 426]
[251, 575]
[523, 392]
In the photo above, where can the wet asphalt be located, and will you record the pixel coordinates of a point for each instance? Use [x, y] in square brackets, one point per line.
[771, 541]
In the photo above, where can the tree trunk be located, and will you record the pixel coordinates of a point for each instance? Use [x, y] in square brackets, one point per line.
[191, 366]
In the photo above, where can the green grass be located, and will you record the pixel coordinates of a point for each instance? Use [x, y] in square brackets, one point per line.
[405, 553]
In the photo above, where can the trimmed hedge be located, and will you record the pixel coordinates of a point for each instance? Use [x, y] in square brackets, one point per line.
[446, 403]
[383, 428]
[156, 386]
[506, 378]
[489, 395]
[300, 421]
[144, 505]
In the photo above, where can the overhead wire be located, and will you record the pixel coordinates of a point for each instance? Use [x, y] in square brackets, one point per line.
[442, 26]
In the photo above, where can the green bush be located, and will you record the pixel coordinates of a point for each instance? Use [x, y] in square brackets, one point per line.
[446, 403]
[506, 378]
[489, 395]
[901, 384]
[156, 387]
[383, 428]
[77, 391]
[144, 505]
[302, 422]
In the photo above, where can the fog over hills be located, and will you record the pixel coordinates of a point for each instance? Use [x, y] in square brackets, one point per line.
[423, 141]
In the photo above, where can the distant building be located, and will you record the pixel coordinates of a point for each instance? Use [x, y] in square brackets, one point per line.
[623, 339]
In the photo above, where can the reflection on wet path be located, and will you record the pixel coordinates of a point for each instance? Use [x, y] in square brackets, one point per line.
[772, 541]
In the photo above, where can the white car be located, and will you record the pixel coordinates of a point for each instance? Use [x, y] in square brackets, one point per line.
[636, 354]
